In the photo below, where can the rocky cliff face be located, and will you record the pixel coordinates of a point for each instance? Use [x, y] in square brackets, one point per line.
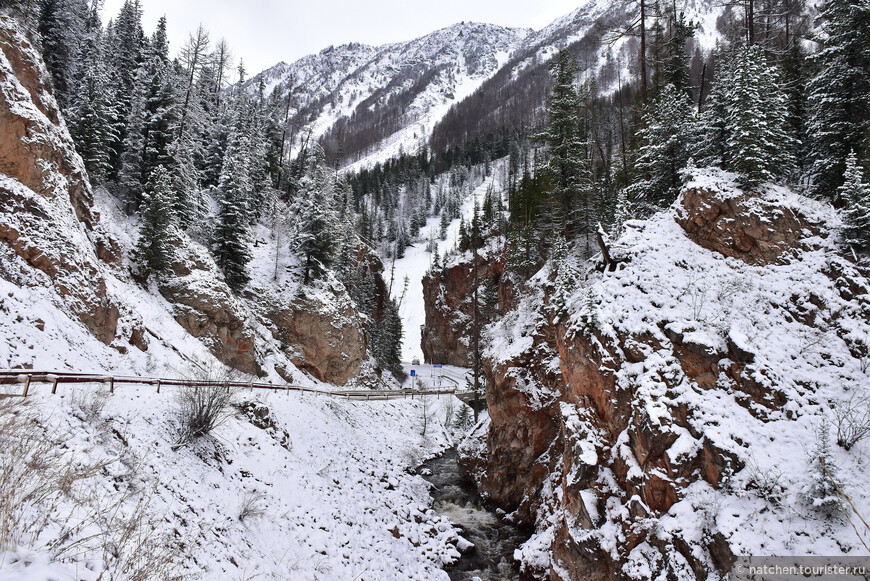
[45, 199]
[639, 436]
[53, 239]
[449, 309]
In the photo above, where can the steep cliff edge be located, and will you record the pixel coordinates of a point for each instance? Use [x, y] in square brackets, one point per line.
[671, 421]
[65, 254]
[447, 300]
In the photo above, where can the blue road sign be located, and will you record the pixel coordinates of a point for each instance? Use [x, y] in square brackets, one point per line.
[413, 372]
[438, 365]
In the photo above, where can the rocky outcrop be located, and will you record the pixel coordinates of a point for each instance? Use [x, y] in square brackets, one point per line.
[35, 148]
[745, 226]
[449, 309]
[46, 223]
[325, 338]
[618, 435]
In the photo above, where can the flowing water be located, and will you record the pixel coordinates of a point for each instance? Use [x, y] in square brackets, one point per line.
[494, 539]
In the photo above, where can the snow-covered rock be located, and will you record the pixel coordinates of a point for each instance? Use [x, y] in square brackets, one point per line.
[677, 429]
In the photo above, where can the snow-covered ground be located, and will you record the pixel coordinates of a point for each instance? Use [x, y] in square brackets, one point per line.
[418, 259]
[326, 488]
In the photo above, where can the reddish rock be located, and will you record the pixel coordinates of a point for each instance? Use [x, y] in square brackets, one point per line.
[746, 227]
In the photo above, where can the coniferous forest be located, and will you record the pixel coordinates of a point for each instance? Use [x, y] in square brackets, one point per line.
[191, 144]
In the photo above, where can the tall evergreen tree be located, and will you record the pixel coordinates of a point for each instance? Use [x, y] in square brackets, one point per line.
[154, 249]
[63, 25]
[758, 144]
[566, 140]
[840, 94]
[317, 223]
[855, 196]
[232, 232]
[668, 137]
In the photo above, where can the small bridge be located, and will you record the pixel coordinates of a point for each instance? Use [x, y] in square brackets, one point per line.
[27, 377]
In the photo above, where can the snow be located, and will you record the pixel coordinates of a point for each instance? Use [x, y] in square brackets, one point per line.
[325, 502]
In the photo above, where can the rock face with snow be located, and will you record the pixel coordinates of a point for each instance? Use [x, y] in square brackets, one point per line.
[449, 310]
[639, 434]
[744, 226]
[45, 200]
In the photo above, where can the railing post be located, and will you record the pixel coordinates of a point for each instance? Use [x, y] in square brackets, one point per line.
[112, 385]
[54, 385]
[158, 386]
[26, 385]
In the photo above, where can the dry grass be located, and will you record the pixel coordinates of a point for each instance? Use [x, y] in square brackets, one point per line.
[53, 499]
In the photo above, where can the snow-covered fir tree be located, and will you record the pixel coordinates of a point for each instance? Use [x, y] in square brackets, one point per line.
[668, 137]
[154, 248]
[855, 196]
[231, 243]
[840, 94]
[317, 225]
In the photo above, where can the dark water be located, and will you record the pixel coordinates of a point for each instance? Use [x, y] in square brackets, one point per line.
[494, 540]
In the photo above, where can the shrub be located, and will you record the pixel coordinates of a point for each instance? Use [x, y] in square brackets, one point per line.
[203, 407]
[852, 419]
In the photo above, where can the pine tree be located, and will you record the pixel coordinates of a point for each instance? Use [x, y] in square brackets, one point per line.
[317, 223]
[668, 136]
[676, 65]
[840, 94]
[744, 124]
[569, 169]
[124, 43]
[232, 250]
[758, 144]
[93, 123]
[154, 250]
[855, 195]
[63, 25]
[566, 279]
[190, 205]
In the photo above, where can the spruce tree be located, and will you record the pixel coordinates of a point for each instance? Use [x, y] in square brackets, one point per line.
[840, 94]
[93, 123]
[855, 196]
[568, 207]
[62, 26]
[154, 250]
[231, 244]
[317, 227]
[759, 148]
[668, 137]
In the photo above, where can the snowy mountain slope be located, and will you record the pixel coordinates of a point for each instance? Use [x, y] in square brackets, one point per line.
[289, 487]
[389, 97]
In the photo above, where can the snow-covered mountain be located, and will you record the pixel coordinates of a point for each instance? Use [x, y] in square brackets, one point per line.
[373, 102]
[368, 103]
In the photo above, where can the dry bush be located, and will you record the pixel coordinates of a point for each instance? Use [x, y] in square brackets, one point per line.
[88, 404]
[202, 408]
[766, 483]
[252, 505]
[45, 485]
[35, 472]
[852, 419]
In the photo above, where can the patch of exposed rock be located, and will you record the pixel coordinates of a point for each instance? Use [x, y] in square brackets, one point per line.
[46, 225]
[744, 226]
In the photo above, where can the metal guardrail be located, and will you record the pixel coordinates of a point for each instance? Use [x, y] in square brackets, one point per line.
[28, 377]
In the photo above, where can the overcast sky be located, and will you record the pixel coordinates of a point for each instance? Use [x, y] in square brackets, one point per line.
[264, 32]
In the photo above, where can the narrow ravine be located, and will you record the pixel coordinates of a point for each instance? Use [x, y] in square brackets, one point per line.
[494, 540]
